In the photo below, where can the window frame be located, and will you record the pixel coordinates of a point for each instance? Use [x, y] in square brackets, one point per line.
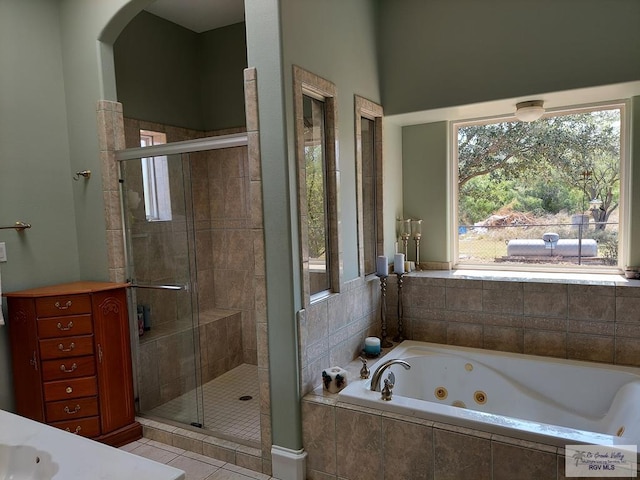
[155, 179]
[369, 110]
[312, 85]
[625, 191]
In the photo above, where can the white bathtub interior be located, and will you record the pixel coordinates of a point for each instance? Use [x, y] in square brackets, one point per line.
[32, 450]
[539, 397]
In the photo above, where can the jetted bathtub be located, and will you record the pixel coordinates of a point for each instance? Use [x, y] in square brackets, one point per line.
[553, 401]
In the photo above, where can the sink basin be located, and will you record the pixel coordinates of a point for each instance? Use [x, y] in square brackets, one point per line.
[22, 462]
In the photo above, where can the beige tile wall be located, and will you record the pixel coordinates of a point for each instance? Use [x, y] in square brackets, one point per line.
[332, 330]
[577, 321]
[356, 443]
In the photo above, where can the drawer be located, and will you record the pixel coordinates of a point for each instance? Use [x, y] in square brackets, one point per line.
[74, 388]
[87, 427]
[68, 368]
[66, 326]
[63, 305]
[71, 409]
[66, 347]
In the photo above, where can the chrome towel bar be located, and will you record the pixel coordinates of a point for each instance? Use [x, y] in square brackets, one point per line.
[18, 226]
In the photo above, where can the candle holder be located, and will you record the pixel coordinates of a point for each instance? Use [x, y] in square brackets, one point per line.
[399, 337]
[384, 343]
[416, 230]
[416, 238]
[405, 233]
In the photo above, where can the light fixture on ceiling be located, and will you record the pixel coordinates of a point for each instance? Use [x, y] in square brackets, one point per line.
[529, 111]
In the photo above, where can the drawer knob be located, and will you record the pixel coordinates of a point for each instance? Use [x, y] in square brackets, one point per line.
[76, 431]
[68, 327]
[60, 306]
[71, 347]
[68, 411]
[69, 390]
[63, 368]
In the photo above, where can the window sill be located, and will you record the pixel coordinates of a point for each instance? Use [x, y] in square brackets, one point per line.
[608, 279]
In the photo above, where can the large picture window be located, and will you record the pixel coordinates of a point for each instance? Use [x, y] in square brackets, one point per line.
[546, 193]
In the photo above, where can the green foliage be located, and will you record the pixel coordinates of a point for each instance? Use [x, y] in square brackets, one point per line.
[544, 167]
[314, 171]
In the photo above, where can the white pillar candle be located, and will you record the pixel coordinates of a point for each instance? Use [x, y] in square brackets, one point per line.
[372, 345]
[382, 266]
[398, 263]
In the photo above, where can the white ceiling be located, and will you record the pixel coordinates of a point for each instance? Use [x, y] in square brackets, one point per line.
[199, 15]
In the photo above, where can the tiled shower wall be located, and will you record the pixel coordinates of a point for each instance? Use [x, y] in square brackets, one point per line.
[111, 131]
[226, 239]
[595, 322]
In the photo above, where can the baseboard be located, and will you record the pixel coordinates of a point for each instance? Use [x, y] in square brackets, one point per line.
[288, 464]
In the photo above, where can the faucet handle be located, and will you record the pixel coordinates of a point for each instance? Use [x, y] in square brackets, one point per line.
[386, 392]
[364, 371]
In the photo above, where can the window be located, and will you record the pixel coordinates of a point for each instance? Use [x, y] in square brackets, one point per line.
[315, 185]
[315, 111]
[155, 179]
[368, 126]
[543, 194]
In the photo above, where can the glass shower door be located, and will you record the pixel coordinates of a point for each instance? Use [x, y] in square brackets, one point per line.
[159, 244]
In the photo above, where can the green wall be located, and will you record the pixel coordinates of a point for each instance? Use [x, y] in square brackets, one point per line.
[426, 146]
[157, 72]
[634, 154]
[223, 56]
[335, 40]
[168, 74]
[461, 52]
[457, 52]
[281, 245]
[35, 174]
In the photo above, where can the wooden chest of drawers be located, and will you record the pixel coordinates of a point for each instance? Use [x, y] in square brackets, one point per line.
[72, 359]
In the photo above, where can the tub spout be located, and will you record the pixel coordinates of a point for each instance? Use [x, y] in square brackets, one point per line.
[377, 375]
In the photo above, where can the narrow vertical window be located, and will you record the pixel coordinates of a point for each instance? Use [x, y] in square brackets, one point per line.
[155, 179]
[316, 152]
[368, 126]
[315, 167]
[369, 207]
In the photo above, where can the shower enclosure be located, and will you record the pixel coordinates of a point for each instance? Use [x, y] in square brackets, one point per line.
[189, 257]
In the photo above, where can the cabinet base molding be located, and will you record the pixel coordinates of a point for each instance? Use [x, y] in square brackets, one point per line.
[122, 436]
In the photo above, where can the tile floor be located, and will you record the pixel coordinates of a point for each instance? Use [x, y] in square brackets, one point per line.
[223, 410]
[196, 466]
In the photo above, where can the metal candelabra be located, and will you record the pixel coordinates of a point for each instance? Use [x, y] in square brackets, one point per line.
[399, 337]
[384, 343]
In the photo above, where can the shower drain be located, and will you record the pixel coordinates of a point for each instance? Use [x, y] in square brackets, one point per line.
[244, 398]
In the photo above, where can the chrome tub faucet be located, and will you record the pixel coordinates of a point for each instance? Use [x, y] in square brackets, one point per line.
[377, 375]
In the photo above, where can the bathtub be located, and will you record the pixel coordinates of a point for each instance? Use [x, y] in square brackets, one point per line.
[552, 401]
[30, 450]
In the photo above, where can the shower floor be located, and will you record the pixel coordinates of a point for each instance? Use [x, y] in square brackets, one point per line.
[224, 412]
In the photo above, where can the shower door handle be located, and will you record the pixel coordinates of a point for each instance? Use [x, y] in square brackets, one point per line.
[161, 287]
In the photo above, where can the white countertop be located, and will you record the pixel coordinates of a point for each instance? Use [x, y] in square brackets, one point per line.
[80, 458]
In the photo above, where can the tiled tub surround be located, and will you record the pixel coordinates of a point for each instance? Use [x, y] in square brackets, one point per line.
[353, 442]
[579, 317]
[350, 442]
[332, 330]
